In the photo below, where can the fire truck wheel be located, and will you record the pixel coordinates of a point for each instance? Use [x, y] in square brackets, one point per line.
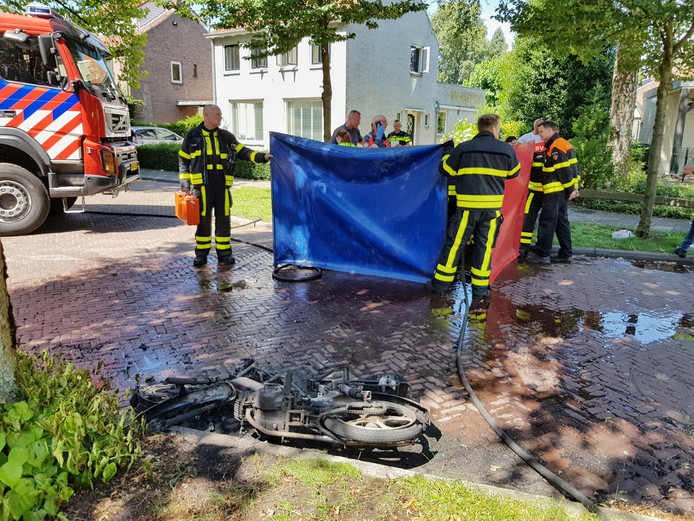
[24, 201]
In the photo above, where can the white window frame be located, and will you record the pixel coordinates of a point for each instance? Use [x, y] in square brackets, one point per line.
[315, 117]
[316, 55]
[288, 59]
[426, 120]
[235, 57]
[244, 114]
[178, 65]
[258, 64]
[444, 114]
[422, 65]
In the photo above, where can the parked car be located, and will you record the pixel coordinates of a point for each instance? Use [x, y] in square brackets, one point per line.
[154, 135]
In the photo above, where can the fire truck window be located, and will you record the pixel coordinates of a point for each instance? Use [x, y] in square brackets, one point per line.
[22, 64]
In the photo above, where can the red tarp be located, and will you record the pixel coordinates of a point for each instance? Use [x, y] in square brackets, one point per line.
[513, 210]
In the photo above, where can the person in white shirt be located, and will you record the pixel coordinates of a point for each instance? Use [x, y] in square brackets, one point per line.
[532, 136]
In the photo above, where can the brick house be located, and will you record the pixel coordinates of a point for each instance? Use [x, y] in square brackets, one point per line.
[179, 66]
[390, 70]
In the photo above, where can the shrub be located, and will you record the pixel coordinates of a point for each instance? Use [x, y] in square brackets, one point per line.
[164, 156]
[65, 432]
[462, 131]
[183, 126]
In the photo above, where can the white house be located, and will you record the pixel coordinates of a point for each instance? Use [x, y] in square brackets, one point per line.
[678, 131]
[390, 70]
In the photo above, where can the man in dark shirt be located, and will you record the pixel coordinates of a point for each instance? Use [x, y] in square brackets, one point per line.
[351, 126]
[399, 138]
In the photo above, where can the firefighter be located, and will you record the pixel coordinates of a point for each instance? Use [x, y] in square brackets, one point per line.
[480, 168]
[534, 201]
[560, 185]
[206, 163]
[399, 138]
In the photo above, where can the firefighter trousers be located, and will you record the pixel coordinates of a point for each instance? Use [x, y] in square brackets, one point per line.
[484, 226]
[532, 208]
[554, 218]
[215, 198]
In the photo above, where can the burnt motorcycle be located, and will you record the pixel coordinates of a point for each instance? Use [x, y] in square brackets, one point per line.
[371, 412]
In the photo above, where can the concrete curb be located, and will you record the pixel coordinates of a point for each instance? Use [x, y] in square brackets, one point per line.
[381, 471]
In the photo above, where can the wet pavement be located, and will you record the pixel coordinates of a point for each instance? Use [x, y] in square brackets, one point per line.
[588, 365]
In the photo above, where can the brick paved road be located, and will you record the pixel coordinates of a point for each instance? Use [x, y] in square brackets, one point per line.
[589, 365]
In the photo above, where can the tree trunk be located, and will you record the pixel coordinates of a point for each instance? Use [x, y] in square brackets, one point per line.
[8, 340]
[624, 84]
[665, 73]
[327, 95]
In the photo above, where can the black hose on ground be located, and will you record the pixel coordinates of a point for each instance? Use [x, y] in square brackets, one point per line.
[563, 486]
[277, 272]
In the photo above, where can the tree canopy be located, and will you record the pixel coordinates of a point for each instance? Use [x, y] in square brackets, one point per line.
[654, 36]
[277, 26]
[113, 20]
[462, 39]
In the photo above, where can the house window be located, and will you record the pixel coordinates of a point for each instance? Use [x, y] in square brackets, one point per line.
[441, 122]
[419, 59]
[316, 57]
[287, 59]
[176, 72]
[257, 61]
[231, 57]
[426, 120]
[305, 119]
[247, 120]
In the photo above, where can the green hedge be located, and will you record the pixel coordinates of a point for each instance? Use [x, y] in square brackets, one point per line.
[164, 156]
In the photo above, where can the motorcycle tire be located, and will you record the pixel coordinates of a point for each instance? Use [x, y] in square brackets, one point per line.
[395, 423]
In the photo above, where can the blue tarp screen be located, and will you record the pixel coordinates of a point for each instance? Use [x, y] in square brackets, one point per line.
[375, 212]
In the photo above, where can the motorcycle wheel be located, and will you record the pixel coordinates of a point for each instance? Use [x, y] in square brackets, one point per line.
[373, 422]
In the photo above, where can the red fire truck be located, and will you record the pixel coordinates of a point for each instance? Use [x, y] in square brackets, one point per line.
[64, 125]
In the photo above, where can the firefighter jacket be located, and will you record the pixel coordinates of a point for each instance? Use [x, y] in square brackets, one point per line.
[371, 141]
[399, 139]
[537, 169]
[561, 169]
[206, 153]
[479, 168]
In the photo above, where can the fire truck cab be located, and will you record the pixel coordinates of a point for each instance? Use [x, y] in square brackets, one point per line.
[64, 125]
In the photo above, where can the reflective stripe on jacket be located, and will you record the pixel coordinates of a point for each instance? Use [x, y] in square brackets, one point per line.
[561, 169]
[205, 153]
[479, 169]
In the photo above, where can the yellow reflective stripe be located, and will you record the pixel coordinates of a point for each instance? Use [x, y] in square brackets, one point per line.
[573, 161]
[486, 263]
[239, 147]
[228, 180]
[227, 204]
[253, 156]
[537, 165]
[478, 282]
[564, 164]
[480, 273]
[196, 179]
[514, 170]
[202, 238]
[222, 243]
[216, 144]
[451, 189]
[223, 156]
[220, 167]
[457, 243]
[184, 176]
[444, 278]
[446, 269]
[203, 195]
[535, 185]
[528, 201]
[492, 202]
[569, 184]
[548, 169]
[486, 171]
[553, 187]
[444, 163]
[196, 153]
[184, 155]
